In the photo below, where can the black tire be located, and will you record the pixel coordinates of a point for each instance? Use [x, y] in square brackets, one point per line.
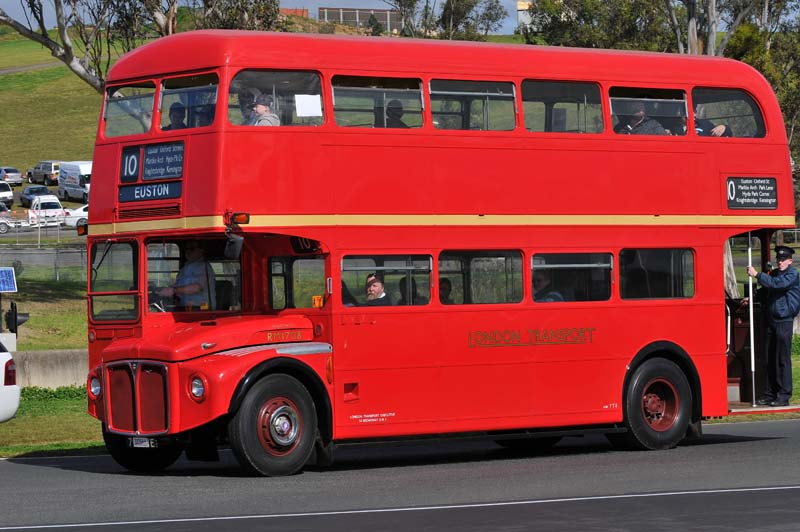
[657, 407]
[30, 179]
[140, 460]
[530, 445]
[3, 228]
[273, 432]
[85, 199]
[81, 222]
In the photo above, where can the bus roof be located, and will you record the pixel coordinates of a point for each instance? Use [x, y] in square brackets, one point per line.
[204, 49]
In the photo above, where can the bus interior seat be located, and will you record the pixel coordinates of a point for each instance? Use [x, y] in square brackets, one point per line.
[224, 294]
[634, 284]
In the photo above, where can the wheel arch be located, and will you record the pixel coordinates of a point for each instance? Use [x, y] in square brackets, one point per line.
[300, 371]
[676, 354]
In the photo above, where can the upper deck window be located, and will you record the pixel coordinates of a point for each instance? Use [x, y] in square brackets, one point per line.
[479, 105]
[188, 101]
[647, 111]
[129, 109]
[726, 113]
[562, 107]
[377, 102]
[273, 98]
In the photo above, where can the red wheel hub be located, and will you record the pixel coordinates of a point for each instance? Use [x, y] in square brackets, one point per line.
[660, 404]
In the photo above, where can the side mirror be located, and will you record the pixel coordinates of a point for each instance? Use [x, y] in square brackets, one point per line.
[233, 247]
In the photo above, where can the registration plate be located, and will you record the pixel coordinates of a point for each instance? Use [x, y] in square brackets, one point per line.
[141, 443]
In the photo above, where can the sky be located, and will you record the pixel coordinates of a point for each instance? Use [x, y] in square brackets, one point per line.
[13, 9]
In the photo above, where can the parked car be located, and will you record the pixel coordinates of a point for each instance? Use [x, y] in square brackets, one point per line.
[29, 193]
[46, 210]
[10, 175]
[9, 391]
[5, 219]
[77, 217]
[45, 172]
[6, 194]
[73, 180]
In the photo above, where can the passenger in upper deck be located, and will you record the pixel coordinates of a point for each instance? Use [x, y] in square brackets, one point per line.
[262, 109]
[706, 128]
[394, 115]
[177, 115]
[638, 123]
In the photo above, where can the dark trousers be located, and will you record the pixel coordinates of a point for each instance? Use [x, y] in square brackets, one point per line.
[778, 348]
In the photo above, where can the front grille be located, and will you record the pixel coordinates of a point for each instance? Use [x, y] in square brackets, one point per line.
[153, 212]
[137, 396]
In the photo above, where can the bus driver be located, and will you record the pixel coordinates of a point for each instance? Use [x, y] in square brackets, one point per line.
[194, 286]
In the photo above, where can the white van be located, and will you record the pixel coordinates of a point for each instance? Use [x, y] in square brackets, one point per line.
[73, 180]
[45, 210]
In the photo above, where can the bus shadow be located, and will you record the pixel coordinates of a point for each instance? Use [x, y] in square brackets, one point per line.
[368, 456]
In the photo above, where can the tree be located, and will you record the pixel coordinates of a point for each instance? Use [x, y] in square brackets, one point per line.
[456, 19]
[89, 33]
[407, 9]
[489, 16]
[236, 14]
[376, 28]
[427, 19]
[622, 24]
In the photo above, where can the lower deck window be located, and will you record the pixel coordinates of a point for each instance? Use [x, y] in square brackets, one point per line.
[386, 280]
[475, 277]
[571, 277]
[656, 273]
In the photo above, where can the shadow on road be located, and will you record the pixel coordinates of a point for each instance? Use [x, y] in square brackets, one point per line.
[371, 456]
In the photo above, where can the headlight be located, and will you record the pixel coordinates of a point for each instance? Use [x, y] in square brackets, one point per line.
[94, 387]
[198, 388]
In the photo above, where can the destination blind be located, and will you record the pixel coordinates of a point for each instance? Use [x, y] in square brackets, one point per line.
[151, 162]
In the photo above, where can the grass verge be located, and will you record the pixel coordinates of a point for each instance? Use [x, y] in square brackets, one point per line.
[51, 422]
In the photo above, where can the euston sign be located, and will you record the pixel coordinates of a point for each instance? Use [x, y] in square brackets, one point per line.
[150, 191]
[151, 162]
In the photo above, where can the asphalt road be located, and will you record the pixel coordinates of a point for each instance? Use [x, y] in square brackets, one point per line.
[742, 476]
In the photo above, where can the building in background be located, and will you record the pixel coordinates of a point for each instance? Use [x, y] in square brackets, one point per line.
[523, 15]
[358, 17]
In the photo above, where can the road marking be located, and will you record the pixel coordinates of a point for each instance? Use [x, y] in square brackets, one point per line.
[408, 509]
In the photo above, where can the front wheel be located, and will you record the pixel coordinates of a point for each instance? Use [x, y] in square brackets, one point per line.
[3, 228]
[658, 406]
[140, 460]
[273, 432]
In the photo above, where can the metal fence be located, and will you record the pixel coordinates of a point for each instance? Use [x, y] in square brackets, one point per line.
[56, 263]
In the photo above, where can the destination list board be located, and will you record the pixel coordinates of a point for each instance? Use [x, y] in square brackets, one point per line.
[752, 192]
[163, 161]
[151, 162]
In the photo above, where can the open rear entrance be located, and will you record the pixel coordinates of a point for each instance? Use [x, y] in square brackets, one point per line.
[746, 354]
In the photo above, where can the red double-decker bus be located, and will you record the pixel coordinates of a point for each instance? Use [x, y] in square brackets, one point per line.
[301, 241]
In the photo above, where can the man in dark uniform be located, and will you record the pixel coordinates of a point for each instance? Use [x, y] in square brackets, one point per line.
[781, 305]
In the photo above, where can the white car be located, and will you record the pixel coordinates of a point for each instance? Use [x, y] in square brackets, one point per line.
[77, 217]
[9, 391]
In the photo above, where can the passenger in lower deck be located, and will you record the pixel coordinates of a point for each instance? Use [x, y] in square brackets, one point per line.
[543, 290]
[376, 293]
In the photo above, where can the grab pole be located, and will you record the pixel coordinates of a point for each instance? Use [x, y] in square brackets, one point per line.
[752, 326]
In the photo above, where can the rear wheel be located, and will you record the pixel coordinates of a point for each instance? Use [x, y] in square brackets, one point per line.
[273, 432]
[658, 407]
[140, 460]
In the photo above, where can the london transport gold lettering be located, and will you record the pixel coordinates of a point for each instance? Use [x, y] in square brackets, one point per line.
[527, 337]
[284, 336]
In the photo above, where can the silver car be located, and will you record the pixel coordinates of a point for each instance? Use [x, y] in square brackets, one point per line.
[10, 175]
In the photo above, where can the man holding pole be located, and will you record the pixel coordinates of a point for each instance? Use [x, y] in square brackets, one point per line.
[781, 288]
